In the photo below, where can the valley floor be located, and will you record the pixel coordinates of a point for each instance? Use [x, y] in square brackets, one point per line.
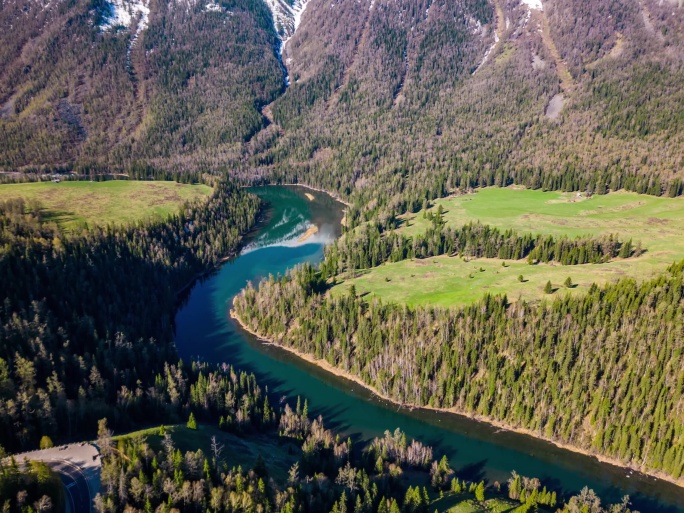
[75, 203]
[446, 281]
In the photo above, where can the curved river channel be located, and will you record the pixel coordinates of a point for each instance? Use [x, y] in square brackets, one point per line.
[476, 450]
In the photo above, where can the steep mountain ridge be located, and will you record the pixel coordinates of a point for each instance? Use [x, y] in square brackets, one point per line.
[389, 95]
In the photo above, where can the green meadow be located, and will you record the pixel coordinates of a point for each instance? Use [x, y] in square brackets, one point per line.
[278, 454]
[73, 204]
[466, 505]
[658, 223]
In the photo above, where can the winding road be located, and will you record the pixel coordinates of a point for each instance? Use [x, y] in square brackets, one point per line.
[76, 484]
[78, 466]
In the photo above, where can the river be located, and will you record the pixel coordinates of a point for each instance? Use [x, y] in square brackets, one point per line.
[475, 450]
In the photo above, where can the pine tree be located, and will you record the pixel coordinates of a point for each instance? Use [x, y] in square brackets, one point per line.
[192, 423]
[480, 492]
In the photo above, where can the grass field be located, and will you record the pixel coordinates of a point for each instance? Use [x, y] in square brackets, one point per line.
[72, 204]
[462, 504]
[445, 281]
[279, 454]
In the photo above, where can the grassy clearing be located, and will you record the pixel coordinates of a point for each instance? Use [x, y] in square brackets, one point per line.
[73, 204]
[279, 454]
[464, 503]
[445, 281]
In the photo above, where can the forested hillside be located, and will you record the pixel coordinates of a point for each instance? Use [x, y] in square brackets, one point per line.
[406, 99]
[395, 101]
[87, 319]
[601, 371]
[94, 85]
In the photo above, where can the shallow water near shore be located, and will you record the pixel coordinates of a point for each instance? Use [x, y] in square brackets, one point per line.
[475, 450]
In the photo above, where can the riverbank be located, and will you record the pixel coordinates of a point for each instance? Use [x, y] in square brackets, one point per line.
[310, 197]
[206, 272]
[333, 195]
[492, 422]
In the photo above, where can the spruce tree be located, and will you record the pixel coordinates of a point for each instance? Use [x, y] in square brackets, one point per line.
[192, 423]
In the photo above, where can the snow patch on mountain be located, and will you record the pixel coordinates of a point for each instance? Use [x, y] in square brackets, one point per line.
[121, 13]
[287, 14]
[488, 53]
[533, 4]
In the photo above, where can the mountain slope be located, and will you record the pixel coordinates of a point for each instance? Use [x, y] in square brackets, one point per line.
[389, 100]
[566, 94]
[89, 81]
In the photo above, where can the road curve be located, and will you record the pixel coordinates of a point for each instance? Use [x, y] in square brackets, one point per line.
[76, 484]
[78, 466]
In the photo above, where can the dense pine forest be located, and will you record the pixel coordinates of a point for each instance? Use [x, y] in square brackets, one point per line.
[81, 337]
[369, 247]
[77, 94]
[392, 108]
[35, 488]
[601, 372]
[146, 471]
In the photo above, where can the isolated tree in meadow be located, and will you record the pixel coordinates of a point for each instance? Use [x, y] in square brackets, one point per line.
[548, 288]
[638, 250]
[216, 449]
[568, 282]
[293, 474]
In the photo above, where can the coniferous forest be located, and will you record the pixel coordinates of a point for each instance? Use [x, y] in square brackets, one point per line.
[601, 372]
[370, 247]
[328, 474]
[81, 338]
[387, 104]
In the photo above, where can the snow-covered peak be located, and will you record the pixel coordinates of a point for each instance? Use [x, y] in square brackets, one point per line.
[121, 13]
[286, 16]
[533, 4]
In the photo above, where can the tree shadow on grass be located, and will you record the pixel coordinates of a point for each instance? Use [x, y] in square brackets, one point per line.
[60, 217]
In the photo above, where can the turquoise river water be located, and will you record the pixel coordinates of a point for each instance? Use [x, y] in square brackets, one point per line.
[476, 450]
